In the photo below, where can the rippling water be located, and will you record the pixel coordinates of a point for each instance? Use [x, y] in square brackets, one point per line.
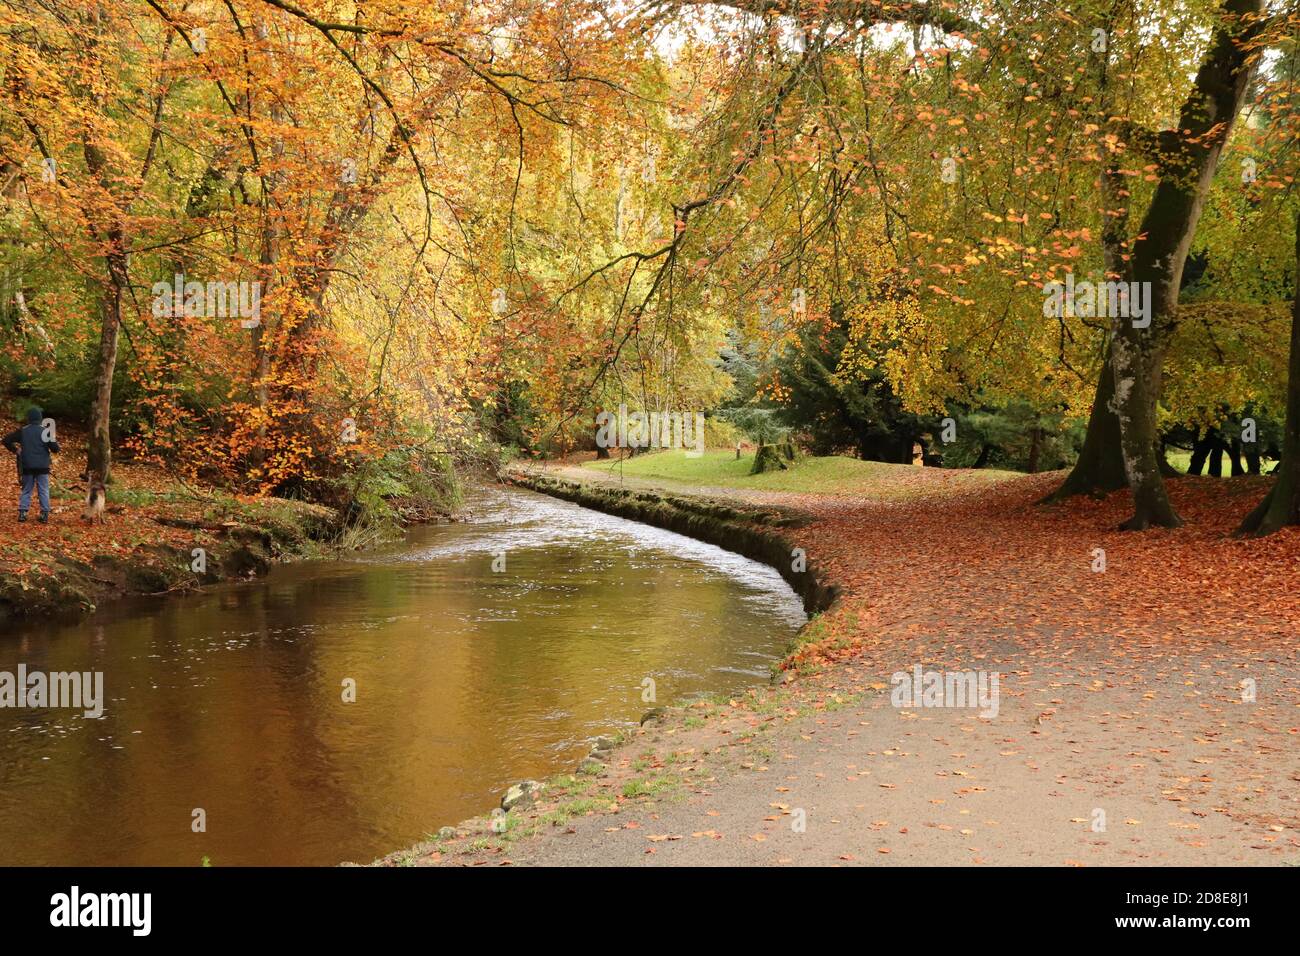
[467, 679]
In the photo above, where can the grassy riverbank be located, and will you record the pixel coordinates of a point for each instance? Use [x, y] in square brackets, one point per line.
[1121, 690]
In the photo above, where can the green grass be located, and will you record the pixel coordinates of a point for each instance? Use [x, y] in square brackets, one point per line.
[646, 788]
[576, 808]
[1181, 459]
[830, 475]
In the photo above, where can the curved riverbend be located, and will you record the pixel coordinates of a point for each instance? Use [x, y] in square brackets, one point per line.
[466, 680]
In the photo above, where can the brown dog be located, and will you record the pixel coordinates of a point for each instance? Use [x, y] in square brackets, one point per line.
[96, 498]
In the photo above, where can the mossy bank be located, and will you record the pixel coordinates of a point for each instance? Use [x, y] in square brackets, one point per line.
[759, 533]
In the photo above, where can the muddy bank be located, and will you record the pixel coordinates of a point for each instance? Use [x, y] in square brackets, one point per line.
[65, 570]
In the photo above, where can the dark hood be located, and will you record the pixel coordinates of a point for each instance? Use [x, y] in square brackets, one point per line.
[33, 416]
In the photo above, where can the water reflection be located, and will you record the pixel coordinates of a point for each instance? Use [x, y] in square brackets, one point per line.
[466, 680]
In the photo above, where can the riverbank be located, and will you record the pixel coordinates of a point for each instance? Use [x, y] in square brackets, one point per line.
[1146, 714]
[159, 536]
[766, 534]
[66, 569]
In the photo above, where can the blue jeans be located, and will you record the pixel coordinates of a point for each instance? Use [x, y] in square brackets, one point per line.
[42, 485]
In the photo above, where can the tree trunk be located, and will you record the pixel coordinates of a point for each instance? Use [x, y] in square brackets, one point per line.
[260, 372]
[1281, 506]
[268, 274]
[1187, 162]
[1201, 449]
[99, 453]
[1135, 358]
[1252, 460]
[1100, 468]
[1216, 456]
[1035, 448]
[1234, 458]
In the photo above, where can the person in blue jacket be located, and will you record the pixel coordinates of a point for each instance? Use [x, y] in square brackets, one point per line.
[33, 452]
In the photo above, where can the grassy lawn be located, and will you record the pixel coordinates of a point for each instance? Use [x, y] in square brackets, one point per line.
[830, 475]
[1182, 460]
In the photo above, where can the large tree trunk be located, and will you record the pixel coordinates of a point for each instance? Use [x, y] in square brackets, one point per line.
[1134, 360]
[268, 275]
[1281, 506]
[602, 451]
[1100, 469]
[1160, 252]
[1135, 355]
[112, 231]
[260, 373]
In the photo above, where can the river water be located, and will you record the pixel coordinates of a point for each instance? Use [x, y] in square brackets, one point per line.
[232, 701]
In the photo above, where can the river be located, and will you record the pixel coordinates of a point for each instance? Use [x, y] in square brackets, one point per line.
[339, 710]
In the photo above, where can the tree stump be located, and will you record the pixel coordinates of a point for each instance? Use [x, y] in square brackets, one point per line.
[768, 458]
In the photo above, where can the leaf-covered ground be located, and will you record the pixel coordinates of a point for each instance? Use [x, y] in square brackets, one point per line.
[1125, 733]
[151, 526]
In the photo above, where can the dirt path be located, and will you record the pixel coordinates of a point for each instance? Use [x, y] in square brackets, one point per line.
[1123, 733]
